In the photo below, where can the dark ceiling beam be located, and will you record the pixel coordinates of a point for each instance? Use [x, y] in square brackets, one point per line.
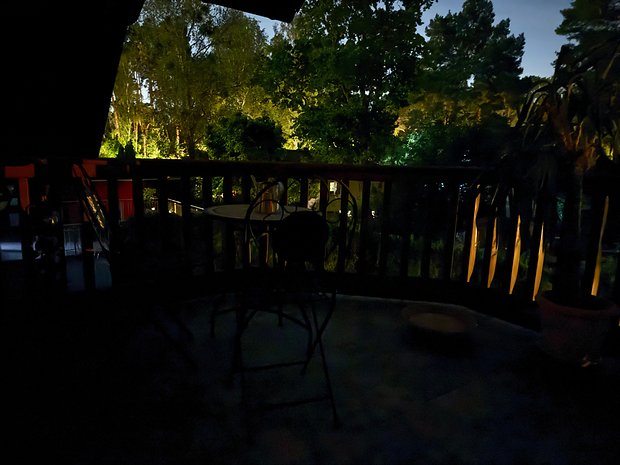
[63, 59]
[60, 61]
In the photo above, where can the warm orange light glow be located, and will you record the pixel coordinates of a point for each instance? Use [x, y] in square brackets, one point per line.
[540, 259]
[474, 240]
[516, 256]
[493, 261]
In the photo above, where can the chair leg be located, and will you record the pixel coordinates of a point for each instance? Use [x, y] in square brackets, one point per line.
[320, 329]
[217, 301]
[237, 361]
[328, 386]
[176, 342]
[216, 311]
[310, 344]
[315, 332]
[242, 319]
[319, 341]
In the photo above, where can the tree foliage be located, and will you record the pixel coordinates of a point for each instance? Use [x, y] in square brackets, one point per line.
[469, 79]
[174, 51]
[185, 65]
[345, 68]
[578, 106]
[466, 48]
[239, 137]
[346, 81]
[575, 115]
[590, 22]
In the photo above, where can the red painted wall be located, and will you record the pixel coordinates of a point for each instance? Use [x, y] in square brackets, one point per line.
[125, 196]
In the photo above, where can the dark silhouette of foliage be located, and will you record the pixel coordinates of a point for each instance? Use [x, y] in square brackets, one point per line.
[345, 68]
[242, 138]
[573, 117]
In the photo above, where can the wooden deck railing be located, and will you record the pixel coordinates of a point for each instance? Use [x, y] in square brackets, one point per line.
[419, 228]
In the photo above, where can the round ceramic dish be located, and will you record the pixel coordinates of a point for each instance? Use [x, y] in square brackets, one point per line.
[439, 318]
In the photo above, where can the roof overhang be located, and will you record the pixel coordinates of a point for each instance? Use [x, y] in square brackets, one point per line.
[61, 62]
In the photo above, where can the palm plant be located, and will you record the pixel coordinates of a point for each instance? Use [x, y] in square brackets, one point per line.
[575, 114]
[569, 125]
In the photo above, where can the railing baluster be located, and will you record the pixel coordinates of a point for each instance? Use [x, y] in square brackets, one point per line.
[164, 217]
[537, 246]
[385, 219]
[342, 229]
[470, 243]
[206, 201]
[303, 191]
[450, 231]
[513, 254]
[188, 221]
[227, 187]
[591, 275]
[442, 216]
[137, 187]
[489, 260]
[427, 220]
[113, 222]
[365, 215]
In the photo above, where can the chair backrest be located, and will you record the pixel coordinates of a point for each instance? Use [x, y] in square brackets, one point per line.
[339, 206]
[300, 239]
[267, 198]
[330, 198]
[264, 209]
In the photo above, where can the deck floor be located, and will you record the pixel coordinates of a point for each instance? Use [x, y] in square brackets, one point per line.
[87, 388]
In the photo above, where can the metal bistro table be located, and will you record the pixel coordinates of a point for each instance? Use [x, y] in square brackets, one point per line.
[237, 214]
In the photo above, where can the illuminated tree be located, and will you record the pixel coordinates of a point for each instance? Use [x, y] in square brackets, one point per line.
[468, 88]
[344, 68]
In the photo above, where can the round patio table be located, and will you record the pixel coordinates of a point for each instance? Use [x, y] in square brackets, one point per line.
[237, 212]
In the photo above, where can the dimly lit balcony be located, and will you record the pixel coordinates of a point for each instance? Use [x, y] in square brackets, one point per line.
[109, 364]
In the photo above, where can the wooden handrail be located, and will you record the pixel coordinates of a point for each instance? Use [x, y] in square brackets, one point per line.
[415, 223]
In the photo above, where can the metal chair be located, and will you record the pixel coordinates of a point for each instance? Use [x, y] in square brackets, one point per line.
[264, 209]
[288, 278]
[291, 291]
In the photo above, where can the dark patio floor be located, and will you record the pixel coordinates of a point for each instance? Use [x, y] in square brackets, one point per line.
[107, 384]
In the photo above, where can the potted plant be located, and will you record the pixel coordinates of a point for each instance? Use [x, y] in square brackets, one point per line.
[575, 117]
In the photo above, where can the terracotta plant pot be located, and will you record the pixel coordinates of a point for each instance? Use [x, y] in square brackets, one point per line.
[575, 335]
